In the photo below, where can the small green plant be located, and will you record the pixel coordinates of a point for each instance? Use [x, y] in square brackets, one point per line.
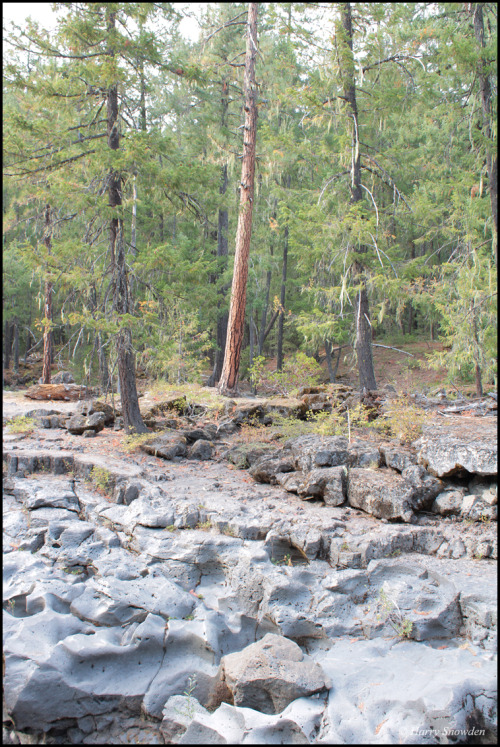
[390, 612]
[395, 553]
[100, 477]
[229, 531]
[344, 547]
[189, 617]
[171, 528]
[285, 560]
[132, 442]
[189, 709]
[404, 420]
[11, 605]
[21, 424]
[204, 525]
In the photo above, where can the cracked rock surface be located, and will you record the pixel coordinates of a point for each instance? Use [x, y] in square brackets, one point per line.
[332, 593]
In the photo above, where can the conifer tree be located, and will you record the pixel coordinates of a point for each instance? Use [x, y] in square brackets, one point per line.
[229, 377]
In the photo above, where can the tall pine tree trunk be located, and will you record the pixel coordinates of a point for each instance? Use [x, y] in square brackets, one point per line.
[222, 252]
[362, 310]
[15, 346]
[47, 332]
[236, 321]
[281, 318]
[121, 297]
[485, 91]
[6, 345]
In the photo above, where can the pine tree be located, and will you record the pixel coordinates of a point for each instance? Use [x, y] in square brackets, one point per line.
[229, 376]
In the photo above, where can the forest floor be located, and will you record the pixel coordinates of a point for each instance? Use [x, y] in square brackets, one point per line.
[393, 366]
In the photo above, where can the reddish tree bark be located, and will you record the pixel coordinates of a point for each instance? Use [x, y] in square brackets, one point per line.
[236, 321]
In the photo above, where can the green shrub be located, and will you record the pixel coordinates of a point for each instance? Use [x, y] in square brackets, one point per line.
[299, 370]
[101, 478]
[21, 424]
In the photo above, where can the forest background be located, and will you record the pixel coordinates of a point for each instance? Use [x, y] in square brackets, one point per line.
[123, 143]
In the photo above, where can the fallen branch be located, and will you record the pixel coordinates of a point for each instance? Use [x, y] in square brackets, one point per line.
[388, 347]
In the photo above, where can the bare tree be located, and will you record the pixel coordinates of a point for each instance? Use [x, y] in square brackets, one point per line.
[235, 328]
[362, 309]
[47, 331]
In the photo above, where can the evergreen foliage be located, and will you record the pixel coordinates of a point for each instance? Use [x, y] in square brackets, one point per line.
[421, 241]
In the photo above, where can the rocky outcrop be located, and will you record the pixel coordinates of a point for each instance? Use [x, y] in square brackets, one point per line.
[298, 621]
[447, 455]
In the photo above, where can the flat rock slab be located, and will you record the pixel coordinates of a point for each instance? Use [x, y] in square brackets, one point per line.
[377, 684]
[451, 448]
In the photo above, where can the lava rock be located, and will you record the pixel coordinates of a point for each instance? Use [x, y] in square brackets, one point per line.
[268, 675]
[313, 451]
[381, 493]
[167, 446]
[201, 449]
[267, 468]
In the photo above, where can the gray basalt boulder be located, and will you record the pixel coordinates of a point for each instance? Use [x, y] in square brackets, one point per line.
[381, 493]
[270, 674]
[90, 407]
[287, 407]
[397, 458]
[364, 454]
[314, 451]
[425, 486]
[193, 434]
[329, 483]
[448, 454]
[201, 449]
[78, 424]
[167, 446]
[267, 468]
[448, 502]
[475, 508]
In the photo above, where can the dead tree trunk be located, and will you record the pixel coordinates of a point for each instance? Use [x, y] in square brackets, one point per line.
[15, 347]
[6, 345]
[281, 318]
[362, 309]
[236, 322]
[47, 331]
[486, 108]
[121, 297]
